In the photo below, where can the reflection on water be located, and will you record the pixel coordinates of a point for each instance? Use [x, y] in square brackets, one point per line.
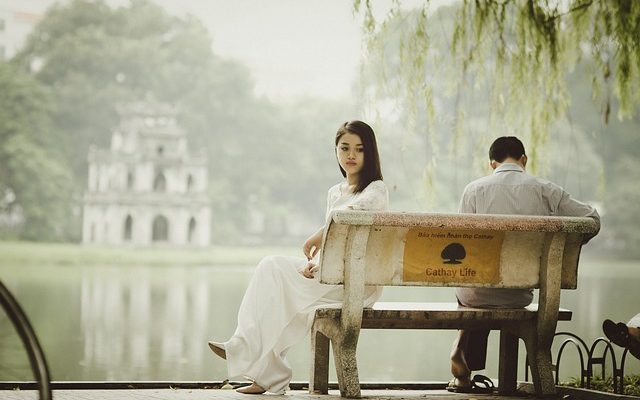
[115, 316]
[152, 323]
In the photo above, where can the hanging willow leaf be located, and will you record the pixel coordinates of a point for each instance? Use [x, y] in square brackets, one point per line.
[519, 50]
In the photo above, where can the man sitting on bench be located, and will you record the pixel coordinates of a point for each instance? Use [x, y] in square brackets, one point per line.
[509, 190]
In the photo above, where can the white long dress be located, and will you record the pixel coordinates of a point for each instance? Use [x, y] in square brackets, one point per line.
[278, 307]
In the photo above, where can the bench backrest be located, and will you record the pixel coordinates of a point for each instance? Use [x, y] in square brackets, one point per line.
[477, 250]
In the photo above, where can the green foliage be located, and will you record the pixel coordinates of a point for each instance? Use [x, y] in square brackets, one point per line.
[631, 384]
[35, 180]
[551, 73]
[521, 48]
[445, 147]
[94, 58]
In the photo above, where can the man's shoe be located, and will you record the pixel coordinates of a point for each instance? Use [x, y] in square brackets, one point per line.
[616, 333]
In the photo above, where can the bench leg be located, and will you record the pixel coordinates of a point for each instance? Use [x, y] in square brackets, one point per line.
[508, 363]
[344, 356]
[541, 367]
[319, 379]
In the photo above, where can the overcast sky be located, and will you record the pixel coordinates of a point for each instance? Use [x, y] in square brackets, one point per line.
[293, 47]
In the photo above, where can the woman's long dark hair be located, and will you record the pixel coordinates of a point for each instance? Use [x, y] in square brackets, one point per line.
[371, 170]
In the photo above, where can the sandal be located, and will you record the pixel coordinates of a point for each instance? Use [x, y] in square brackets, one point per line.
[455, 387]
[482, 384]
[254, 388]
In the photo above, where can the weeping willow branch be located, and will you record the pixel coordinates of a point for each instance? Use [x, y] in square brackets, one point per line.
[519, 51]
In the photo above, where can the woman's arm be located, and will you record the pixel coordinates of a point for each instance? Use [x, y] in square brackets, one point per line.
[313, 244]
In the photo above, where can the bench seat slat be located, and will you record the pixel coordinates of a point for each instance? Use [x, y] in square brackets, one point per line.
[403, 315]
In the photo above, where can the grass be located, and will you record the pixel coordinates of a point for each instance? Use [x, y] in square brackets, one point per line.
[65, 254]
[631, 384]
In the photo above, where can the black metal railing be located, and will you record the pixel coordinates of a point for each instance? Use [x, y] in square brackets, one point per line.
[29, 339]
[593, 358]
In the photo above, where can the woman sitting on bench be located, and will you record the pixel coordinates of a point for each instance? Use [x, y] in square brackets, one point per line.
[278, 307]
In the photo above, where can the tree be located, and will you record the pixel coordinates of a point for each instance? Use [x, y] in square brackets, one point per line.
[35, 180]
[441, 144]
[465, 74]
[522, 48]
[93, 57]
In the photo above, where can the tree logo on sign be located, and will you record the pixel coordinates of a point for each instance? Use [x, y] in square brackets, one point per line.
[453, 253]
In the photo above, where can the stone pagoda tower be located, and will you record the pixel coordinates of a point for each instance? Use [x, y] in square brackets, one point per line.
[147, 189]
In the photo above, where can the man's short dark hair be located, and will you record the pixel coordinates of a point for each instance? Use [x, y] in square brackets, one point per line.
[506, 147]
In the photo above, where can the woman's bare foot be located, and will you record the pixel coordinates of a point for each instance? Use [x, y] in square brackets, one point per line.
[254, 388]
[218, 350]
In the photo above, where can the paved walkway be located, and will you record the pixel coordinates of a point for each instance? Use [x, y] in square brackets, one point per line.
[208, 394]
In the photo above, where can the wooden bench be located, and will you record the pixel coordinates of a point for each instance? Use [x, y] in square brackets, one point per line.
[472, 250]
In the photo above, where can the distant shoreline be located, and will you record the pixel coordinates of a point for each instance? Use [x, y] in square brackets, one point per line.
[18, 253]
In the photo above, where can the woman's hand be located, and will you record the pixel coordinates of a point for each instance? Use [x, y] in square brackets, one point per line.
[313, 244]
[309, 270]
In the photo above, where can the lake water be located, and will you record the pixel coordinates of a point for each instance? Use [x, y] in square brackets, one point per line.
[153, 323]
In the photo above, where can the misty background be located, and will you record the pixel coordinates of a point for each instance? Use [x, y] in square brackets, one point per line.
[258, 89]
[261, 87]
